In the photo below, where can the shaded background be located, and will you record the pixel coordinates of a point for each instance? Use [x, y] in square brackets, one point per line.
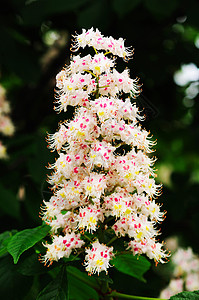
[35, 45]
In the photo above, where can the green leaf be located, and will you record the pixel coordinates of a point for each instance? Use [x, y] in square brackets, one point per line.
[78, 285]
[129, 264]
[186, 295]
[25, 239]
[31, 266]
[4, 240]
[56, 289]
[3, 250]
[122, 7]
[6, 234]
[13, 284]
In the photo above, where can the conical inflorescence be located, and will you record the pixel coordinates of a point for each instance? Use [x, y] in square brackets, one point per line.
[103, 181]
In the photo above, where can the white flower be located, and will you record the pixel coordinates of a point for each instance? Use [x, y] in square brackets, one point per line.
[58, 139]
[98, 258]
[119, 204]
[175, 286]
[62, 246]
[185, 274]
[94, 185]
[6, 125]
[66, 222]
[68, 165]
[129, 111]
[185, 261]
[150, 247]
[80, 64]
[101, 155]
[144, 183]
[106, 107]
[83, 128]
[125, 83]
[152, 209]
[77, 81]
[100, 64]
[89, 37]
[166, 293]
[192, 282]
[80, 97]
[88, 218]
[99, 42]
[70, 196]
[60, 78]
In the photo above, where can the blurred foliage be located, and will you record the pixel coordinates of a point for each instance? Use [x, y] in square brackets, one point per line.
[35, 44]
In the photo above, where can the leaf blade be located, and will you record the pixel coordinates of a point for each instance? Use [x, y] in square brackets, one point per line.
[57, 289]
[26, 239]
[5, 237]
[186, 295]
[78, 285]
[13, 284]
[129, 264]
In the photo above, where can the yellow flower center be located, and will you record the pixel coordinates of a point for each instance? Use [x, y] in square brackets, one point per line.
[128, 176]
[139, 235]
[99, 262]
[89, 188]
[92, 220]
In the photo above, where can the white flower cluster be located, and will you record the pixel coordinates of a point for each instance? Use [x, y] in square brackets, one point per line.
[98, 182]
[95, 39]
[98, 257]
[6, 125]
[185, 275]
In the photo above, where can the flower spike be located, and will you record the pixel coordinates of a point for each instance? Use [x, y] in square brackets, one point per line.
[103, 178]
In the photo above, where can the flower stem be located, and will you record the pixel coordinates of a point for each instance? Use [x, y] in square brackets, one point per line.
[95, 50]
[112, 240]
[125, 296]
[104, 86]
[83, 279]
[107, 53]
[77, 255]
[120, 144]
[90, 72]
[87, 238]
[97, 90]
[104, 287]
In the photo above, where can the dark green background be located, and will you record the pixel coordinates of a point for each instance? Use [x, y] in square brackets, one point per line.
[28, 66]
